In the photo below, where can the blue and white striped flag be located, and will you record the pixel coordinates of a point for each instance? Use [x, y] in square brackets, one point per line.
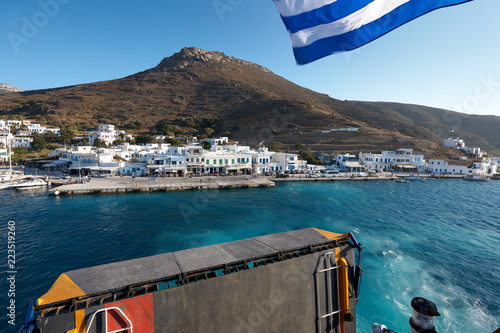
[322, 27]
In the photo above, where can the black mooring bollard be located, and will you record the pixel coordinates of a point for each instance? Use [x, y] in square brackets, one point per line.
[424, 311]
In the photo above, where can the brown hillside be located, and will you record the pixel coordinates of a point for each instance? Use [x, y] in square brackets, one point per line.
[196, 92]
[476, 130]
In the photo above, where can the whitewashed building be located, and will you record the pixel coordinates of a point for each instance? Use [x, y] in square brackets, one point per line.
[105, 133]
[21, 141]
[441, 167]
[349, 163]
[7, 139]
[484, 167]
[7, 123]
[262, 159]
[85, 160]
[56, 131]
[458, 143]
[134, 169]
[163, 159]
[194, 159]
[401, 159]
[216, 142]
[167, 165]
[58, 152]
[454, 143]
[227, 162]
[26, 128]
[290, 161]
[4, 155]
[36, 128]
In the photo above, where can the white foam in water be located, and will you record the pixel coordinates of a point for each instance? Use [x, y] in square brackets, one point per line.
[408, 278]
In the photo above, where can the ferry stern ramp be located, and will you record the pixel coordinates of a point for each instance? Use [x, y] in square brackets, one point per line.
[298, 281]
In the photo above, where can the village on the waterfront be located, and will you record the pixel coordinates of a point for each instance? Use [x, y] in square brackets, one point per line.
[109, 154]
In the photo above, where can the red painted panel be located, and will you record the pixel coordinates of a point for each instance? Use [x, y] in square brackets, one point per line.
[139, 311]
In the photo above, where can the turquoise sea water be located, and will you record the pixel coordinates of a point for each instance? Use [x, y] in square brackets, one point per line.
[438, 239]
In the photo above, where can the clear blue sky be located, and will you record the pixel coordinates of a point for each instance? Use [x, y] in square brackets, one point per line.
[449, 58]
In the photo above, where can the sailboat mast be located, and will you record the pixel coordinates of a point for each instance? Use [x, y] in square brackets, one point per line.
[10, 153]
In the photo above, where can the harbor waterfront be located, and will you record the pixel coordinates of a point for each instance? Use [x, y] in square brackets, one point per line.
[437, 239]
[127, 184]
[152, 184]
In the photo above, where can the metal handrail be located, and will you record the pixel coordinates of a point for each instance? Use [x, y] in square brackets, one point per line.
[329, 293]
[106, 320]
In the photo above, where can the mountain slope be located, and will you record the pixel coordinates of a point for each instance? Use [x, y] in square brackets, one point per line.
[196, 92]
[476, 130]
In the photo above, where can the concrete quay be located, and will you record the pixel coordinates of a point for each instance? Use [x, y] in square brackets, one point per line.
[346, 176]
[145, 184]
[303, 178]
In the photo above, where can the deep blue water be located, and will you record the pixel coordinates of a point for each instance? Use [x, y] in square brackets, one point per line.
[437, 239]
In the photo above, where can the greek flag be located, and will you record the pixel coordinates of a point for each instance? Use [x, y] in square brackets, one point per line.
[322, 27]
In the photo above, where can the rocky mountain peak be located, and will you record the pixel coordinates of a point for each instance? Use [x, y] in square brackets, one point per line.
[6, 88]
[194, 55]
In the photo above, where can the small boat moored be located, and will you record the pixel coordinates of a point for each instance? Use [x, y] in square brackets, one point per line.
[27, 183]
[477, 178]
[413, 177]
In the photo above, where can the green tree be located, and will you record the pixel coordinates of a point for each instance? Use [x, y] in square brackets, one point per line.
[68, 133]
[98, 143]
[164, 127]
[39, 142]
[14, 128]
[173, 142]
[147, 138]
[118, 142]
[307, 154]
[19, 153]
[205, 145]
[50, 137]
